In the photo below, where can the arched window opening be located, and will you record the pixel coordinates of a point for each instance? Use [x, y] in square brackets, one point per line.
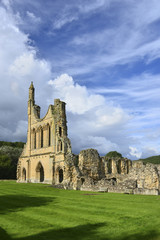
[119, 166]
[60, 175]
[41, 138]
[34, 140]
[24, 174]
[110, 166]
[40, 173]
[60, 131]
[49, 136]
[82, 180]
[60, 146]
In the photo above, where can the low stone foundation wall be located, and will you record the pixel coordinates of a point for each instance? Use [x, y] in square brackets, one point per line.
[146, 191]
[125, 191]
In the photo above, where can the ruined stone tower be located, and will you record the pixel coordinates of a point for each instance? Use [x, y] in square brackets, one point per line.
[43, 157]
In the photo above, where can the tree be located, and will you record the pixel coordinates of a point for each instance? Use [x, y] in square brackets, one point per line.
[113, 154]
[6, 167]
[9, 154]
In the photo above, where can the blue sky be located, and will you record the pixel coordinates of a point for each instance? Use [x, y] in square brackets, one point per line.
[101, 57]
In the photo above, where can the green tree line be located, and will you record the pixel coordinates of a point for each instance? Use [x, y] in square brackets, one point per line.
[9, 154]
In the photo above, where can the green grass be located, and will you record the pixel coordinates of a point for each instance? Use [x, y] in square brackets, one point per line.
[38, 211]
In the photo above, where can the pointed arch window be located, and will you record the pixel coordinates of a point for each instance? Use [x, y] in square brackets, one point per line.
[39, 172]
[60, 131]
[61, 146]
[49, 136]
[34, 139]
[24, 174]
[41, 137]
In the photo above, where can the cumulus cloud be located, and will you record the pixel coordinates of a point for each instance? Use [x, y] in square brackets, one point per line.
[143, 151]
[135, 152]
[93, 122]
[97, 122]
[19, 66]
[77, 97]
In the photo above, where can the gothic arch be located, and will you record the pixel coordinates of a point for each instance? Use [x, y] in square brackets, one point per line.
[59, 175]
[110, 163]
[34, 139]
[39, 172]
[24, 174]
[49, 134]
[60, 131]
[119, 166]
[41, 137]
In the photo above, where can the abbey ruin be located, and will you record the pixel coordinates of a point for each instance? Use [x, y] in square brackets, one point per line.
[47, 157]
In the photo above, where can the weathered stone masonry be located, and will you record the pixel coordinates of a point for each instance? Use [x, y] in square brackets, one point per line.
[42, 159]
[47, 157]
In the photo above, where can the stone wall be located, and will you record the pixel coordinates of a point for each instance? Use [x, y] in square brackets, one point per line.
[90, 164]
[89, 171]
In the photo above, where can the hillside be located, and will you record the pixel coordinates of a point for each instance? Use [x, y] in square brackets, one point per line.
[153, 159]
[9, 154]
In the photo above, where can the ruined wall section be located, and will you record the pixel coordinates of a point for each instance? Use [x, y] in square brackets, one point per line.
[116, 174]
[63, 144]
[117, 165]
[90, 164]
[146, 177]
[42, 132]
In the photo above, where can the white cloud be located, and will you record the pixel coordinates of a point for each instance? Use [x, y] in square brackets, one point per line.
[92, 120]
[27, 64]
[77, 97]
[143, 151]
[94, 6]
[101, 143]
[129, 40]
[19, 66]
[72, 12]
[59, 23]
[148, 151]
[139, 88]
[135, 152]
[33, 18]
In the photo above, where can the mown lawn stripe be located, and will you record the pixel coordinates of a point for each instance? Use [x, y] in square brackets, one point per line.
[38, 211]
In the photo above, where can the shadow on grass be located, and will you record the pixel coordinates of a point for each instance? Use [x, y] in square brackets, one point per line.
[11, 203]
[83, 232]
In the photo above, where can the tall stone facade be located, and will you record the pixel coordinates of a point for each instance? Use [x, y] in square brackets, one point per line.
[43, 156]
[47, 157]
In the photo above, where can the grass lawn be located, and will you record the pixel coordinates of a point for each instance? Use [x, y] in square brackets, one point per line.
[38, 211]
